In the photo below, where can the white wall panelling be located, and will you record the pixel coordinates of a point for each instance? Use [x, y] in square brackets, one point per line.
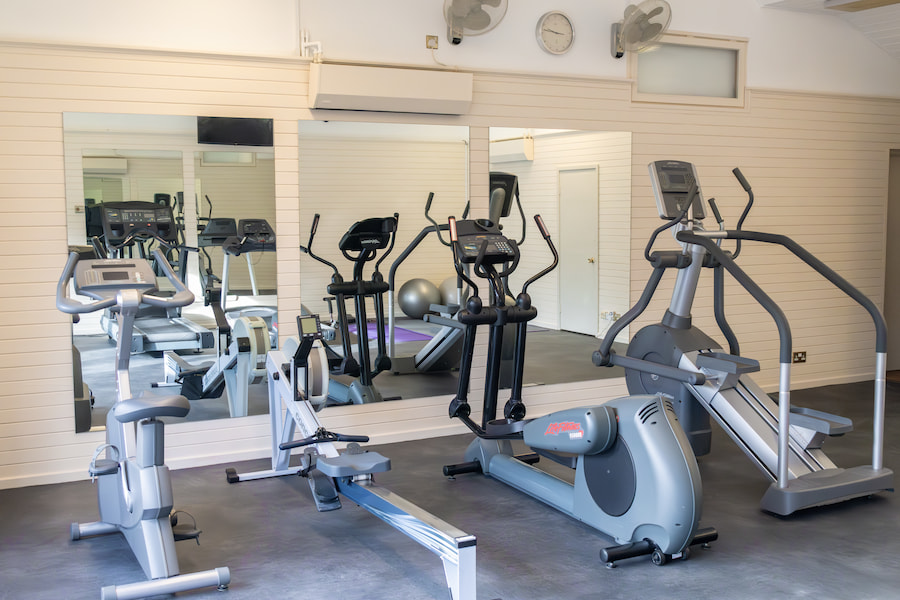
[818, 164]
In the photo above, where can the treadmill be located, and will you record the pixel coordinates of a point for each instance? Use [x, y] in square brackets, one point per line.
[127, 227]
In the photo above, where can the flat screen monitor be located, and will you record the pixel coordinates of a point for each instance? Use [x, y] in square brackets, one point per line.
[233, 131]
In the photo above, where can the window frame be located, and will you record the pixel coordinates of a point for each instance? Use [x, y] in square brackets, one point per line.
[738, 45]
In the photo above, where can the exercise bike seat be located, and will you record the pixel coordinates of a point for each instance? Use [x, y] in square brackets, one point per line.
[349, 464]
[150, 407]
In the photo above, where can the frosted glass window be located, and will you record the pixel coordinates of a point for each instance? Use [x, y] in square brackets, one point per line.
[678, 70]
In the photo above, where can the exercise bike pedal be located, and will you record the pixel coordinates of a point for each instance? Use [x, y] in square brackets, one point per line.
[185, 531]
[103, 466]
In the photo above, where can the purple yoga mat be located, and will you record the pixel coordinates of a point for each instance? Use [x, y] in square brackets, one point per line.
[400, 334]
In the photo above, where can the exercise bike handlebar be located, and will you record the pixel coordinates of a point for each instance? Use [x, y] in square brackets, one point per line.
[182, 296]
[72, 307]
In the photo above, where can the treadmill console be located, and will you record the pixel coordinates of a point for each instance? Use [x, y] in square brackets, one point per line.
[216, 232]
[104, 277]
[253, 235]
[119, 219]
[672, 181]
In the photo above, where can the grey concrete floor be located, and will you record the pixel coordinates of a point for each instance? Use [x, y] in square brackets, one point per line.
[277, 546]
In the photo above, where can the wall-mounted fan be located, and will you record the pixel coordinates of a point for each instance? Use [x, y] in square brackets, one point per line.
[472, 17]
[642, 26]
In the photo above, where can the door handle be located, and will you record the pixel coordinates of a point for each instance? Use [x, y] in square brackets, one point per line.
[591, 260]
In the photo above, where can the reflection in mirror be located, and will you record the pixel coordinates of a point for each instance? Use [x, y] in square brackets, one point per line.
[580, 182]
[353, 171]
[120, 162]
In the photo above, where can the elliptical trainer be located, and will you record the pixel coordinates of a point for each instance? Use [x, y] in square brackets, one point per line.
[134, 488]
[359, 245]
[636, 479]
[677, 359]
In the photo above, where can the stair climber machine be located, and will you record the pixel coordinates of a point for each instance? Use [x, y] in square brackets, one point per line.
[132, 225]
[676, 359]
[134, 488]
[636, 479]
[298, 388]
[359, 245]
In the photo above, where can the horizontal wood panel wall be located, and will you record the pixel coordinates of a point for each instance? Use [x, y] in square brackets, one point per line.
[818, 165]
[347, 179]
[610, 154]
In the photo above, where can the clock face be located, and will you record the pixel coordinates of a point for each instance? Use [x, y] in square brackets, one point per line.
[555, 32]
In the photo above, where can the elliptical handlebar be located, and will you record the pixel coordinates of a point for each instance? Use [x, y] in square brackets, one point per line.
[545, 233]
[457, 261]
[390, 247]
[308, 248]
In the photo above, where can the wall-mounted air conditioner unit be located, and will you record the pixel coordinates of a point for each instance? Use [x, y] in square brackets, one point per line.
[351, 87]
[504, 151]
[104, 165]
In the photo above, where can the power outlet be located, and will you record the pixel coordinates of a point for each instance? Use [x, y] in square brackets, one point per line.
[431, 42]
[610, 315]
[799, 357]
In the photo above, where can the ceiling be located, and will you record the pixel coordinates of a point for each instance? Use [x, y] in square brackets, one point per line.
[881, 24]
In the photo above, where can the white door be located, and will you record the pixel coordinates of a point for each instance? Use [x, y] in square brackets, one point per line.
[579, 201]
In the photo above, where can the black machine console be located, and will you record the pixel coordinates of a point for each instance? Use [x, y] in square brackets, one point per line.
[253, 235]
[217, 231]
[120, 219]
[369, 234]
[672, 182]
[472, 235]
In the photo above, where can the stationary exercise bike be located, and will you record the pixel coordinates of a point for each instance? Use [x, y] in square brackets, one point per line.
[134, 488]
[636, 478]
[360, 245]
[678, 360]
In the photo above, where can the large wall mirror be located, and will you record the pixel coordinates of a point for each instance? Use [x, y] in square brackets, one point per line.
[115, 158]
[351, 171]
[580, 182]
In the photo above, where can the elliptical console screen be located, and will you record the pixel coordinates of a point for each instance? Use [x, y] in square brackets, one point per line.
[672, 181]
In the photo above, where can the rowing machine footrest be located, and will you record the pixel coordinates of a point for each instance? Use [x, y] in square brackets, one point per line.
[323, 491]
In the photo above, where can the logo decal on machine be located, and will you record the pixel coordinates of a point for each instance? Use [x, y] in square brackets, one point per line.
[570, 427]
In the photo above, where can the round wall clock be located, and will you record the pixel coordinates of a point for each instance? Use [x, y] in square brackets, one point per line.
[555, 32]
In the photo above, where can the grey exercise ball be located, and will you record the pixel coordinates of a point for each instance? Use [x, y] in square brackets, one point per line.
[450, 293]
[416, 295]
